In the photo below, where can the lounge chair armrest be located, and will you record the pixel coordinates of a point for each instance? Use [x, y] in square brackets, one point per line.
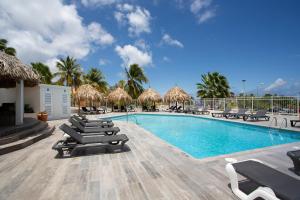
[263, 192]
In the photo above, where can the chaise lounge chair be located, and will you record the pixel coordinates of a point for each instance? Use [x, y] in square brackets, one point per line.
[179, 109]
[237, 115]
[171, 109]
[130, 108]
[97, 111]
[295, 156]
[261, 114]
[221, 114]
[80, 142]
[294, 122]
[99, 123]
[204, 111]
[85, 119]
[93, 129]
[85, 111]
[262, 181]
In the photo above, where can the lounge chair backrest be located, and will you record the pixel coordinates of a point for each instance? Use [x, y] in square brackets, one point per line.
[261, 113]
[79, 120]
[71, 132]
[75, 123]
[84, 109]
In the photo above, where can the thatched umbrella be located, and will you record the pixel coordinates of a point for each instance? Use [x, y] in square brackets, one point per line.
[149, 95]
[13, 73]
[13, 70]
[176, 94]
[88, 93]
[119, 96]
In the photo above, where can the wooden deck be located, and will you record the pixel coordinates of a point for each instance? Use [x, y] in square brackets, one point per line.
[152, 169]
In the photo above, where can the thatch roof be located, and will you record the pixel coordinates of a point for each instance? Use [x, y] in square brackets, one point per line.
[119, 96]
[12, 70]
[88, 92]
[149, 95]
[176, 94]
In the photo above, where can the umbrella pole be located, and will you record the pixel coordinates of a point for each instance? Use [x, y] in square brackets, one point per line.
[78, 105]
[183, 105]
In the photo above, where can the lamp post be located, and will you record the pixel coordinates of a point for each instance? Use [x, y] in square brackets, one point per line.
[244, 91]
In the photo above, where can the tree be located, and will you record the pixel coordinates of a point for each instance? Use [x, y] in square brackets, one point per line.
[96, 78]
[135, 79]
[44, 72]
[8, 50]
[121, 84]
[214, 85]
[68, 72]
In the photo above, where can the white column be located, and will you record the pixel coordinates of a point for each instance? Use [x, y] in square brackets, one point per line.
[19, 102]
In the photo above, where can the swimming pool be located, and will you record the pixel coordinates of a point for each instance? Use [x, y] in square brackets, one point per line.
[201, 137]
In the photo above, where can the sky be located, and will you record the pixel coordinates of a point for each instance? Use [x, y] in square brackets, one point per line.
[175, 41]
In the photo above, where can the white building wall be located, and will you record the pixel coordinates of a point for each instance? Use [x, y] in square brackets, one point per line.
[55, 100]
[32, 97]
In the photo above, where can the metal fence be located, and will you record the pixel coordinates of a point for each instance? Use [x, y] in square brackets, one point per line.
[273, 104]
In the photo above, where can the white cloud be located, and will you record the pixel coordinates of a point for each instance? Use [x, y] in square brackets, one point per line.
[168, 40]
[125, 7]
[137, 18]
[98, 34]
[203, 10]
[142, 44]
[166, 59]
[132, 55]
[51, 63]
[103, 61]
[89, 3]
[206, 15]
[43, 30]
[276, 84]
[199, 5]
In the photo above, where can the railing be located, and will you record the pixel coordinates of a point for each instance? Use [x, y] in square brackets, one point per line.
[282, 105]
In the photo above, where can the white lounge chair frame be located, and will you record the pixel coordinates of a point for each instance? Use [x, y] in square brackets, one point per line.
[263, 192]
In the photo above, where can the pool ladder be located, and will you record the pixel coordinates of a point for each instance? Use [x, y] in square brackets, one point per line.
[283, 124]
[127, 115]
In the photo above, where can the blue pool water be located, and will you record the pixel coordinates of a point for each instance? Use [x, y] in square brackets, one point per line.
[202, 137]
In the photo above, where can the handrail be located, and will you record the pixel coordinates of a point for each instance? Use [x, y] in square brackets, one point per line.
[286, 122]
[271, 122]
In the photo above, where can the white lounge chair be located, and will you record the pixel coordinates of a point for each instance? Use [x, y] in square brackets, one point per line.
[257, 172]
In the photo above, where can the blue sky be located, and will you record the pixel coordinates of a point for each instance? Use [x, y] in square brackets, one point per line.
[174, 40]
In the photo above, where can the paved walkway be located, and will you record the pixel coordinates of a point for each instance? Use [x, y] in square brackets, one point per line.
[152, 169]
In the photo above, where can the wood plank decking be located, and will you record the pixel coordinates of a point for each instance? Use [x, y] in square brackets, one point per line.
[152, 169]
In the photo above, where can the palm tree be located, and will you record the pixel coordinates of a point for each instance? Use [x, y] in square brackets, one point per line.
[121, 84]
[68, 72]
[6, 49]
[135, 79]
[214, 85]
[44, 72]
[96, 78]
